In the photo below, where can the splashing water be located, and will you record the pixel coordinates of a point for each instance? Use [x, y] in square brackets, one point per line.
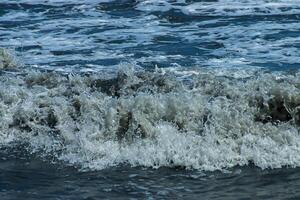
[207, 119]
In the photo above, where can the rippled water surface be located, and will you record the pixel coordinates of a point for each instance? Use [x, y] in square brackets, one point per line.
[69, 35]
[149, 99]
[24, 177]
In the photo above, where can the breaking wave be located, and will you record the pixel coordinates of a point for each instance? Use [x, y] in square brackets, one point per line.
[8, 59]
[207, 119]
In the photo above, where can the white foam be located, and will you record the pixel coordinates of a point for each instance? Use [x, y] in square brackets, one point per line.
[221, 119]
[238, 8]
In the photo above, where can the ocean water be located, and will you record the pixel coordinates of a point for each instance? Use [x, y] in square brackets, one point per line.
[149, 99]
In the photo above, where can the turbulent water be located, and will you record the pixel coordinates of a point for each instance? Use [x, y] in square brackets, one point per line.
[111, 85]
[68, 35]
[210, 121]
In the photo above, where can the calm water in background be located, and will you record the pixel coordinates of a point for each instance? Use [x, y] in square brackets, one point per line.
[98, 35]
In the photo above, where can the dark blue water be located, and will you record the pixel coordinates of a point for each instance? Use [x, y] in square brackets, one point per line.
[24, 177]
[149, 99]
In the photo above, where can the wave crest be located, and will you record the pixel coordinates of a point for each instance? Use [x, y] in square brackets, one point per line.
[203, 119]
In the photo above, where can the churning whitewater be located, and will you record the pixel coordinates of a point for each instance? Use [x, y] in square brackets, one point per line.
[206, 119]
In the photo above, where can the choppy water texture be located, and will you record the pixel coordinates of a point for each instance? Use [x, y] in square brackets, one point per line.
[69, 35]
[149, 99]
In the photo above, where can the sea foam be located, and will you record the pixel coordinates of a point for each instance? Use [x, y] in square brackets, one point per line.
[206, 119]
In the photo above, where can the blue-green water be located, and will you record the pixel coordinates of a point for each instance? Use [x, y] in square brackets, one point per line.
[149, 99]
